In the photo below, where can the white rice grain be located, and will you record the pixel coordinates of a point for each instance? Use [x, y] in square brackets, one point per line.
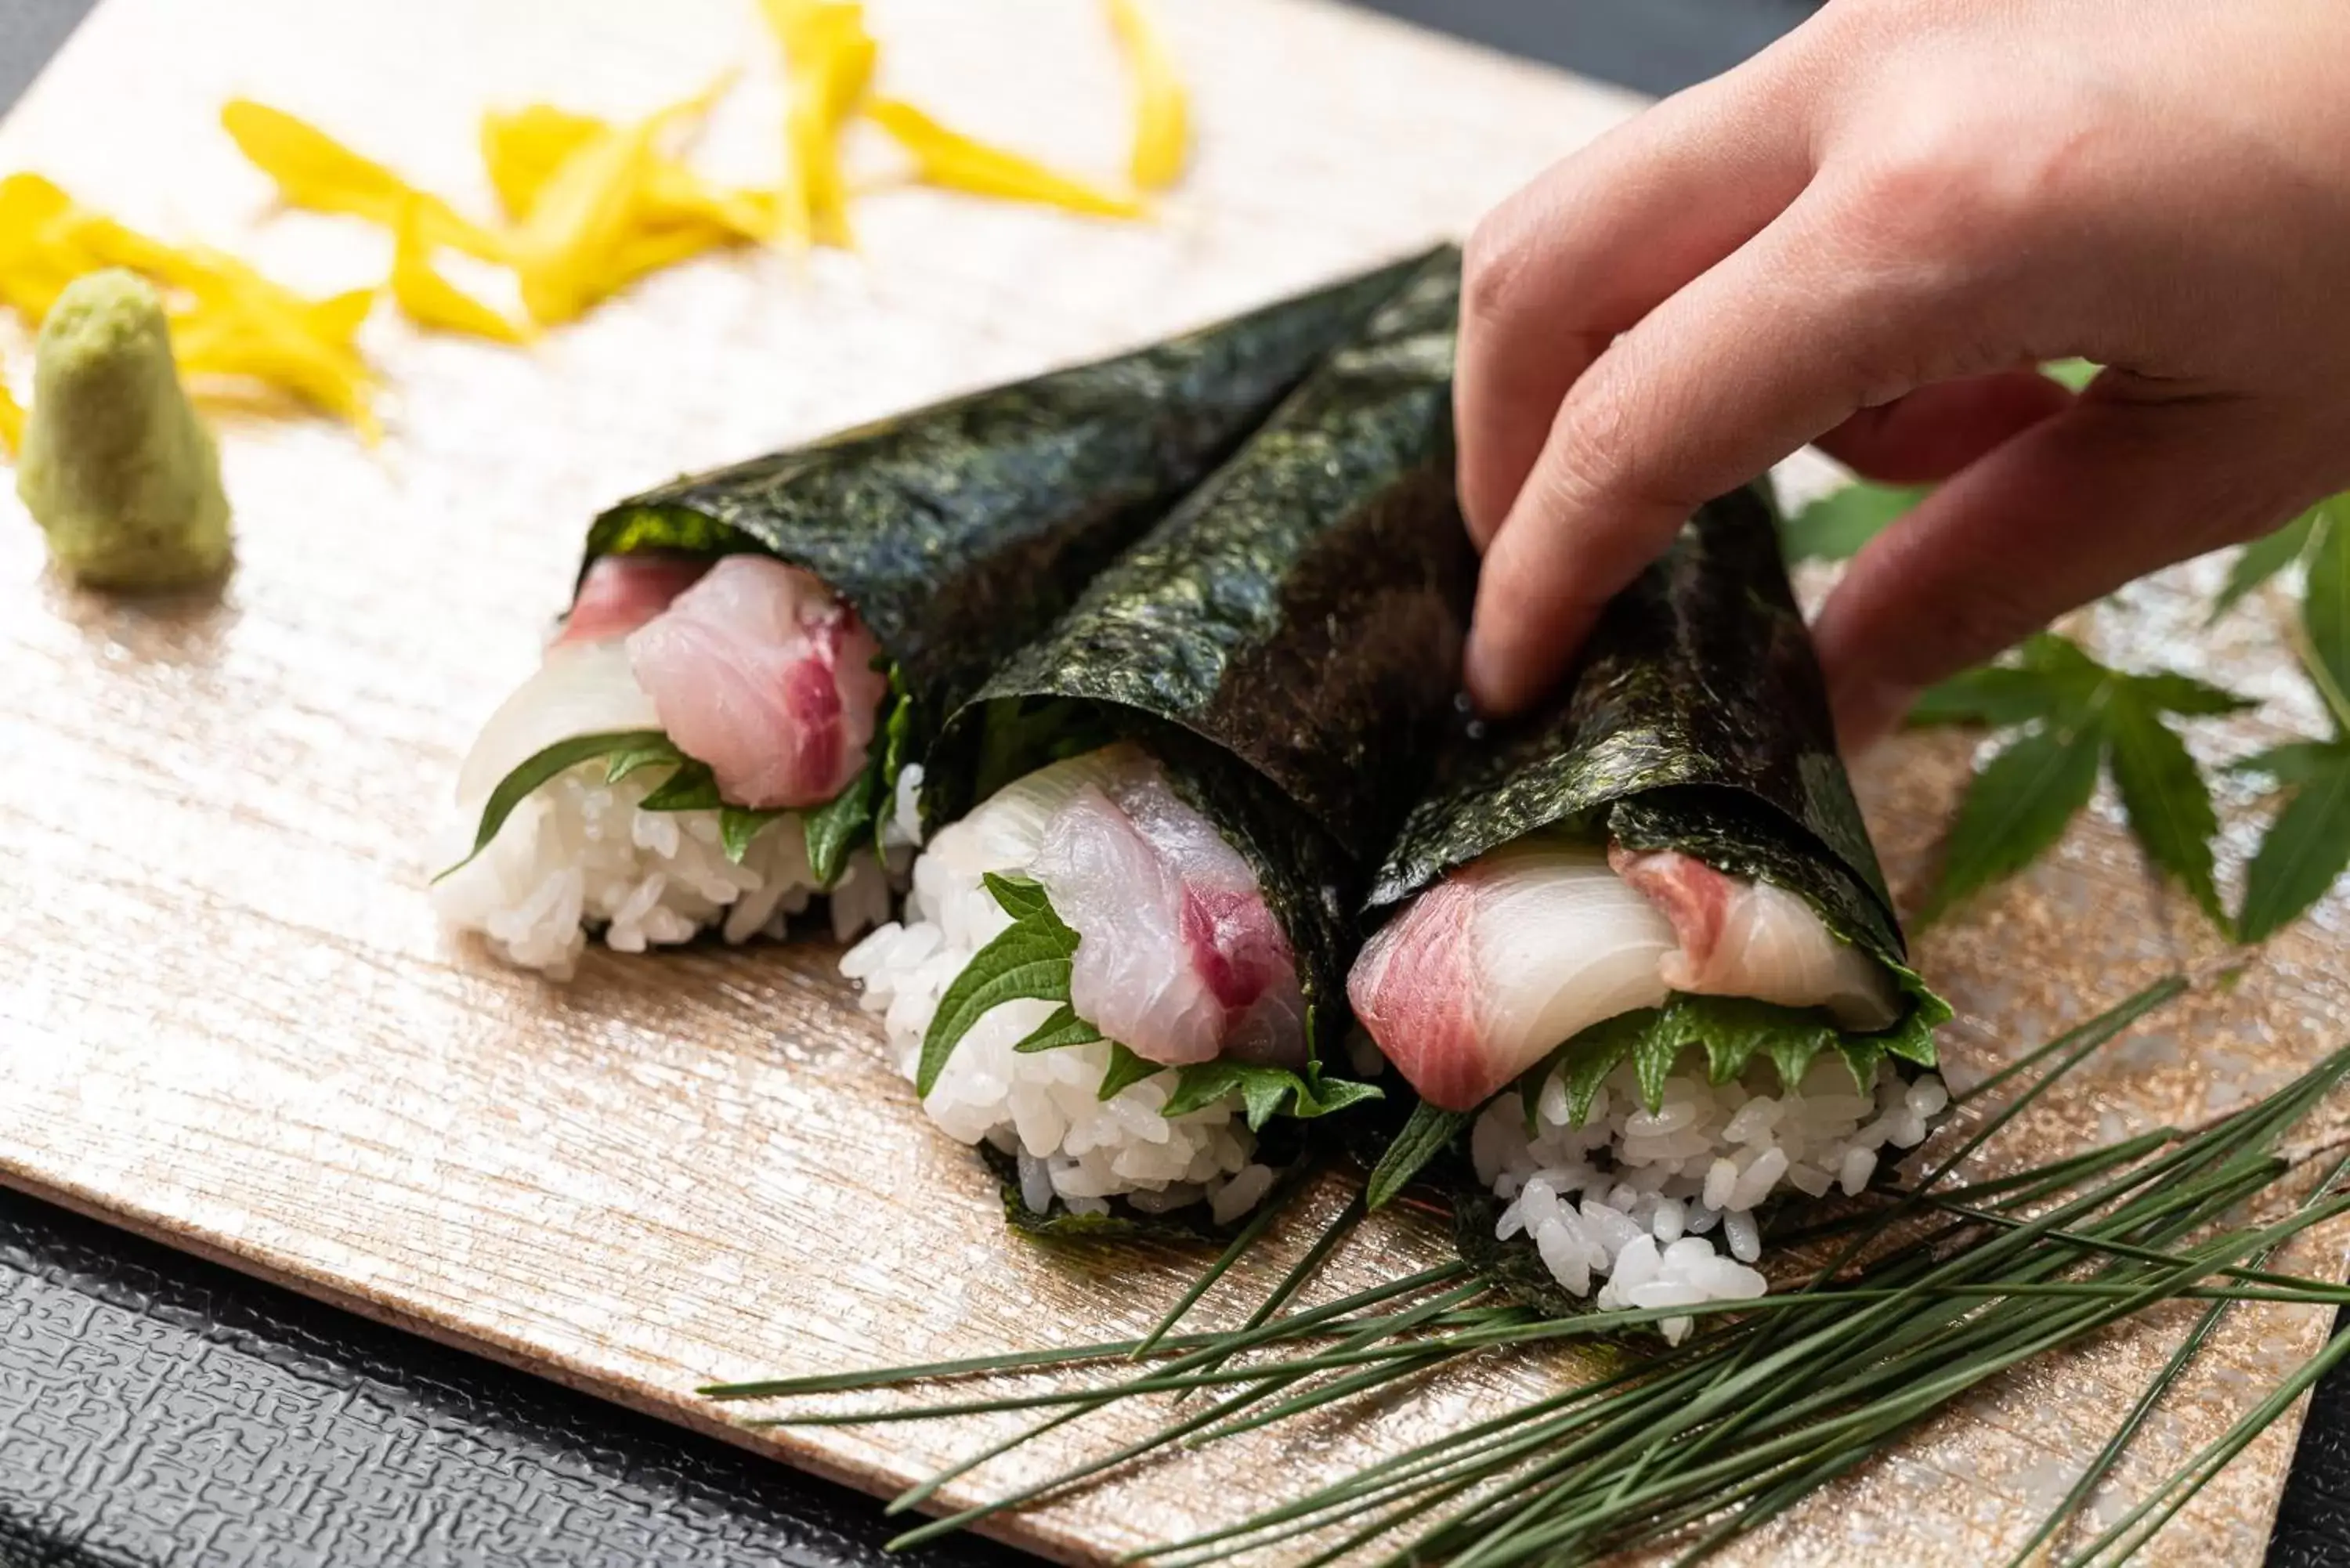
[1660, 1207]
[1045, 1103]
[580, 856]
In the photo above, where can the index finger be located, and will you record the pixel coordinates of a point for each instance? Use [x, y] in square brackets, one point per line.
[1557, 271]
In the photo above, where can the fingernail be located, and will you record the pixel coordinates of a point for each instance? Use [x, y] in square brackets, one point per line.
[1482, 671]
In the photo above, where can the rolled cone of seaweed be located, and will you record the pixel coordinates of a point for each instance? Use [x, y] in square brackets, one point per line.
[1121, 957]
[711, 746]
[1640, 944]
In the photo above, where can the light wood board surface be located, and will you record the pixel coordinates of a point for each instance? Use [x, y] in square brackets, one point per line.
[228, 1019]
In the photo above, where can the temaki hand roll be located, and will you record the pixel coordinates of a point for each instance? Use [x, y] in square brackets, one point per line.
[723, 727]
[1126, 955]
[1655, 911]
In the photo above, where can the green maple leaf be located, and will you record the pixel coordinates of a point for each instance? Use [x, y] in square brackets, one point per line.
[2075, 717]
[1834, 527]
[2261, 559]
[2307, 845]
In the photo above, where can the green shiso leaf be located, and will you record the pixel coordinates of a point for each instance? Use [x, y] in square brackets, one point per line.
[693, 787]
[2080, 714]
[1723, 1036]
[1593, 1053]
[859, 813]
[963, 530]
[838, 825]
[1834, 527]
[1032, 959]
[689, 788]
[653, 752]
[542, 766]
[1062, 1029]
[738, 825]
[1265, 1092]
[1427, 1135]
[897, 749]
[1029, 958]
[1125, 1070]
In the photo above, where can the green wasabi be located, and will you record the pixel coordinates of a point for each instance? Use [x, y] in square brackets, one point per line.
[115, 467]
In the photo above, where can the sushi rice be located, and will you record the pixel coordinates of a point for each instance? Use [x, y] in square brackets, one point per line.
[579, 853]
[1041, 1108]
[580, 856]
[1667, 1212]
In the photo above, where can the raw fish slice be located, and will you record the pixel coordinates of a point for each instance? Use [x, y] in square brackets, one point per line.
[1179, 956]
[1002, 832]
[1491, 969]
[1737, 937]
[579, 689]
[760, 672]
[621, 593]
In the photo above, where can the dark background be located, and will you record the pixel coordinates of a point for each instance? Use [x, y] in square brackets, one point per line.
[158, 1409]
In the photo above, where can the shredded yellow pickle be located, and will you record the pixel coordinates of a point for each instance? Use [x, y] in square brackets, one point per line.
[1162, 116]
[602, 205]
[314, 171]
[949, 158]
[829, 59]
[431, 300]
[226, 319]
[12, 420]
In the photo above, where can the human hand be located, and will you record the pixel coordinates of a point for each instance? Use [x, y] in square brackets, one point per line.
[1864, 237]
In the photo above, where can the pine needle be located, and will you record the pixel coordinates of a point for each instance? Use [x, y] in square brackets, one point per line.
[1684, 1449]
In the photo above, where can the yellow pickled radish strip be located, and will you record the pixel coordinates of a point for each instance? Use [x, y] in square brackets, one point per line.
[651, 249]
[431, 300]
[950, 158]
[12, 420]
[226, 319]
[1163, 121]
[584, 212]
[313, 170]
[828, 58]
[587, 208]
[337, 318]
[674, 194]
[244, 325]
[523, 148]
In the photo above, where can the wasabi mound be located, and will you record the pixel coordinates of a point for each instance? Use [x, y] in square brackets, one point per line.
[115, 468]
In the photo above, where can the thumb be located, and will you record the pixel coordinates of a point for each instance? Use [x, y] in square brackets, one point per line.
[2070, 510]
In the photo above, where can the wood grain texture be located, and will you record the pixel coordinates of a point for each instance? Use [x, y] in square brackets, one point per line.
[227, 1017]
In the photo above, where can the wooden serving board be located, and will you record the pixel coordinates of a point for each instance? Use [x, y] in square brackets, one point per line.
[228, 1019]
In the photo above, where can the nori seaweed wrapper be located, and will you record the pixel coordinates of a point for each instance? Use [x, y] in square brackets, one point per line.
[1287, 641]
[960, 529]
[1695, 719]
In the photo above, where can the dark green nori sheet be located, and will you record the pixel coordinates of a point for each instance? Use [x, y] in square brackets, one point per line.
[959, 531]
[1287, 641]
[1695, 719]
